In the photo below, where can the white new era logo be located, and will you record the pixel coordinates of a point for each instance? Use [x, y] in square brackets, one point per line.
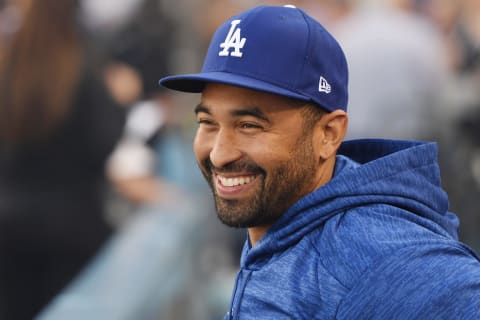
[233, 40]
[324, 86]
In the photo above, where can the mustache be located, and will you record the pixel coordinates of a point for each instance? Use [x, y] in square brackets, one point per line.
[243, 165]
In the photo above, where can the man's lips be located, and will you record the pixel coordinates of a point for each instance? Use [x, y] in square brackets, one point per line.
[236, 180]
[234, 186]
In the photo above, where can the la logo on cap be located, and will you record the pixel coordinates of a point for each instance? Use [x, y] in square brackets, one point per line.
[233, 40]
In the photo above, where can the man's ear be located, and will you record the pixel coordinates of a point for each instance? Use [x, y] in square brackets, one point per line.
[329, 133]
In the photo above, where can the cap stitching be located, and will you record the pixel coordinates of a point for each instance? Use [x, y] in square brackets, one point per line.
[307, 49]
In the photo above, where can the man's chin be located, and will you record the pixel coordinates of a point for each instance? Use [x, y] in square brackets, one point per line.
[232, 213]
[241, 217]
[236, 223]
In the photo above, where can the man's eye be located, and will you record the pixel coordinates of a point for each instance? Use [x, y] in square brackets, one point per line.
[204, 121]
[249, 125]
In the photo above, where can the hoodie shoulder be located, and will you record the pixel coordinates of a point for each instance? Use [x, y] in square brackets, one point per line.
[386, 262]
[434, 275]
[353, 242]
[430, 281]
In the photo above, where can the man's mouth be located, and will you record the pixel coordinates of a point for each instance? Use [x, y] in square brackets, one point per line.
[235, 187]
[235, 181]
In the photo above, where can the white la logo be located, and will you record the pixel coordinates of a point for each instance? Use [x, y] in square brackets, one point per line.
[233, 40]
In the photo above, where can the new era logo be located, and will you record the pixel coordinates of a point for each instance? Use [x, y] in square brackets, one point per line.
[233, 40]
[324, 86]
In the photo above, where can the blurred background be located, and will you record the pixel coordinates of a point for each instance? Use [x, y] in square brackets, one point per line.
[103, 212]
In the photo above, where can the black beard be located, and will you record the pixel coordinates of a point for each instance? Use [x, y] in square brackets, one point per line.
[234, 213]
[286, 184]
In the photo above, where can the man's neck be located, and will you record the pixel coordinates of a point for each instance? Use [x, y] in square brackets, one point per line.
[255, 233]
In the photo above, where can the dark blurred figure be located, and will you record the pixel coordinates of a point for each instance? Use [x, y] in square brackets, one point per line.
[466, 140]
[459, 22]
[58, 124]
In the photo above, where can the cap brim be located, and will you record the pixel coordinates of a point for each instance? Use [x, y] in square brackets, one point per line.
[196, 82]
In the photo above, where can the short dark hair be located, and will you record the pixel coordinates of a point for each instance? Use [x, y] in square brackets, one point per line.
[311, 113]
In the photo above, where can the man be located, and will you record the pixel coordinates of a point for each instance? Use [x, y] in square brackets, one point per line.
[336, 230]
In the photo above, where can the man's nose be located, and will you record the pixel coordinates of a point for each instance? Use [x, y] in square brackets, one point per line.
[225, 149]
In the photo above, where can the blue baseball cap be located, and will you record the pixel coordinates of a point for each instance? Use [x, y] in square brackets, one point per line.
[275, 49]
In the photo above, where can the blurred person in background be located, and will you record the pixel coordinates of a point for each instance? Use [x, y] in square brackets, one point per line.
[58, 124]
[458, 115]
[460, 122]
[141, 40]
[398, 68]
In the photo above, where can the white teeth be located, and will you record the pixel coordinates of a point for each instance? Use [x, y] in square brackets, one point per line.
[232, 182]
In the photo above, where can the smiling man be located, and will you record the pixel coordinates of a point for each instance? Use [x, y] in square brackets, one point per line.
[258, 154]
[336, 230]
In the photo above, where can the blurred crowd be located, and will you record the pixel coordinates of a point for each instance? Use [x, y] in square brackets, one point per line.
[98, 181]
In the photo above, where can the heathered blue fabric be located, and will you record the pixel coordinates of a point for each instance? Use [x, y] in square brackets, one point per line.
[376, 242]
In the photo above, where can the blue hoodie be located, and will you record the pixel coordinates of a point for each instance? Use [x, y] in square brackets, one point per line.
[376, 242]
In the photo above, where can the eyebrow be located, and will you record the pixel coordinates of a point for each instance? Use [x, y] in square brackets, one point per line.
[201, 108]
[247, 111]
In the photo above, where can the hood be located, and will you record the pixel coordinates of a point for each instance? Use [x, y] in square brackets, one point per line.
[404, 174]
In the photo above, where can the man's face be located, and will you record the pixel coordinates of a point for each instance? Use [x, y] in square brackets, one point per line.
[254, 152]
